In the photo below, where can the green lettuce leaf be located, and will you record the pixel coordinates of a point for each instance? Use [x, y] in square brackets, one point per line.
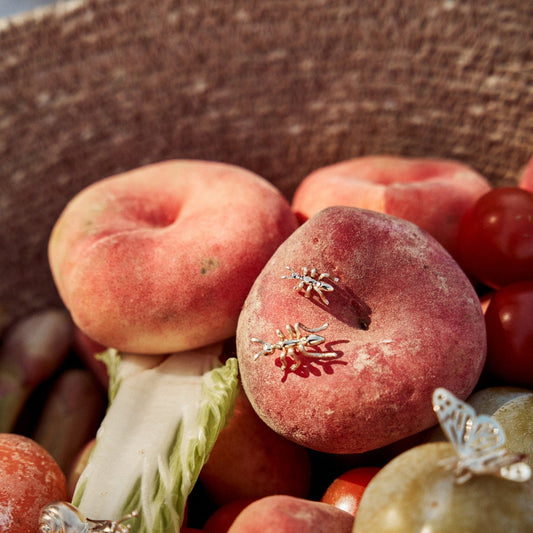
[164, 417]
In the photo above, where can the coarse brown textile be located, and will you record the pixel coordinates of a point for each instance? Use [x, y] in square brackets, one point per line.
[92, 88]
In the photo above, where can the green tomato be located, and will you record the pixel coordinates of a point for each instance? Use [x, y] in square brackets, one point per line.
[487, 401]
[414, 493]
[516, 419]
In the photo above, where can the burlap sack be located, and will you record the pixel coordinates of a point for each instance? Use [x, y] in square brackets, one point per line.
[92, 88]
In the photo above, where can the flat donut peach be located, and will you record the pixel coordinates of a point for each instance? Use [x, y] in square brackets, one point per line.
[160, 259]
[432, 193]
[402, 319]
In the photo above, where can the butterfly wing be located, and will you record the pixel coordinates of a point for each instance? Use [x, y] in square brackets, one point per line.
[479, 440]
[469, 433]
[485, 435]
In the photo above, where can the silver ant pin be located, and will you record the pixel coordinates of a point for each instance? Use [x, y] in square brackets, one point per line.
[308, 281]
[295, 344]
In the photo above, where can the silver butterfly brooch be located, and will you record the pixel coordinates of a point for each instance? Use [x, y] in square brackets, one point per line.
[479, 441]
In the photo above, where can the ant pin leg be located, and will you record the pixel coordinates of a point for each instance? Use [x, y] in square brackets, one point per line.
[283, 359]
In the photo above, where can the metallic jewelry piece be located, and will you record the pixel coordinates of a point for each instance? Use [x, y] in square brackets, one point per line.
[479, 441]
[295, 344]
[62, 517]
[309, 282]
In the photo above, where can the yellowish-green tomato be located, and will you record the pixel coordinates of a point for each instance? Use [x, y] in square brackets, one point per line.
[488, 401]
[414, 493]
[516, 419]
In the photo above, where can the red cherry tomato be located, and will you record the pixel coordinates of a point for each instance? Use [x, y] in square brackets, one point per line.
[509, 320]
[496, 237]
[345, 492]
[30, 479]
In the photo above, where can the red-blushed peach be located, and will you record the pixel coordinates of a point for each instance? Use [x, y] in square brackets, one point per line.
[222, 518]
[160, 259]
[432, 193]
[402, 320]
[250, 460]
[87, 350]
[288, 514]
[525, 180]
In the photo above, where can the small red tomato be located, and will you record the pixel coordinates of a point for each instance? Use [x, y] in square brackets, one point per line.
[496, 237]
[509, 320]
[345, 492]
[30, 479]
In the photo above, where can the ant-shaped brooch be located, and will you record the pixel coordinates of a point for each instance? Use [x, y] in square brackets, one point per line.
[295, 344]
[310, 282]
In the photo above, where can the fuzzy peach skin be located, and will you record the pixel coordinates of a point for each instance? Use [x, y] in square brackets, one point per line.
[87, 350]
[402, 320]
[525, 180]
[432, 193]
[160, 259]
[287, 514]
[249, 460]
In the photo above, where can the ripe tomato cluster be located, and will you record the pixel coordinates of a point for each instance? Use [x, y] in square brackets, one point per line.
[496, 246]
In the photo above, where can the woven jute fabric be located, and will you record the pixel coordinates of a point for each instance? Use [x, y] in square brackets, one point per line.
[92, 88]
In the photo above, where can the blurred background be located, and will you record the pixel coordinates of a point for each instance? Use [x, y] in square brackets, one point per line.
[99, 87]
[12, 7]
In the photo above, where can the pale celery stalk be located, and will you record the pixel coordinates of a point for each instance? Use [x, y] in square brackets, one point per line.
[164, 417]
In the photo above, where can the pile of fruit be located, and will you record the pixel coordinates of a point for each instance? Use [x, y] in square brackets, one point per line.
[358, 358]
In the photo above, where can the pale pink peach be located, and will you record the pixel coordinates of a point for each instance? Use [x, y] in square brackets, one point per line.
[432, 193]
[287, 514]
[525, 180]
[161, 258]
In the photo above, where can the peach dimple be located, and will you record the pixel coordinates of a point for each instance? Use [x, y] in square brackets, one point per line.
[160, 259]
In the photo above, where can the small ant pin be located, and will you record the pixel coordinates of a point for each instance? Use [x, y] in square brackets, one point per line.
[294, 343]
[309, 280]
